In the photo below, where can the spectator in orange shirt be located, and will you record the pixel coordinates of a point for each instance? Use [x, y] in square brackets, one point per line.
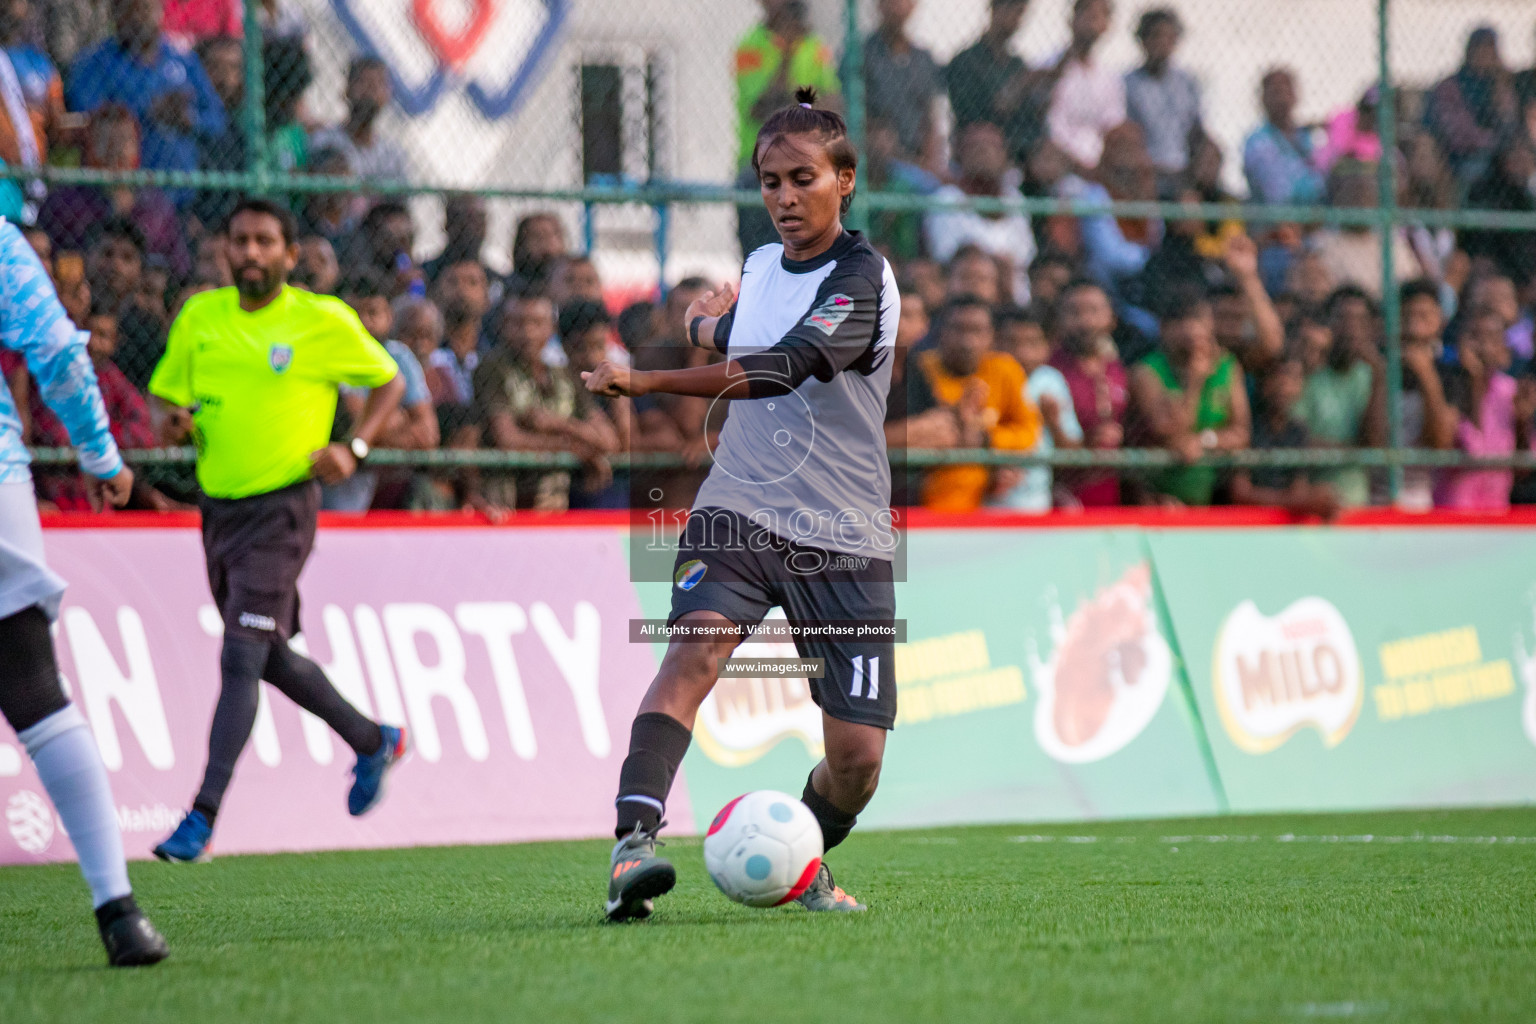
[42, 90]
[985, 388]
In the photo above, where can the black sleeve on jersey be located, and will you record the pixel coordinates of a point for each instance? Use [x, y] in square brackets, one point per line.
[839, 329]
[723, 328]
[780, 369]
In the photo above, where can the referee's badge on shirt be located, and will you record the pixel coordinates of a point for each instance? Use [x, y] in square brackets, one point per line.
[281, 357]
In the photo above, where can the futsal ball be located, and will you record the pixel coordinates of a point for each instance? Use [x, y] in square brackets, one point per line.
[763, 849]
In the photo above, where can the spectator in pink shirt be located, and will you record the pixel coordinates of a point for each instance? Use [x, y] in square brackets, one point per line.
[1496, 415]
[1352, 134]
[1089, 98]
[188, 21]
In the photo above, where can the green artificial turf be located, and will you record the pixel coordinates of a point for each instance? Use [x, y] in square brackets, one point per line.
[1148, 921]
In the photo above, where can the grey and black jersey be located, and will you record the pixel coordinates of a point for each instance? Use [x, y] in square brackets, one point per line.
[805, 457]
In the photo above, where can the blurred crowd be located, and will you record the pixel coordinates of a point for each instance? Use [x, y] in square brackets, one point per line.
[1189, 334]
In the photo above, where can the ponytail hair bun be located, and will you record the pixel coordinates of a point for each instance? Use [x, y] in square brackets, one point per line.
[805, 118]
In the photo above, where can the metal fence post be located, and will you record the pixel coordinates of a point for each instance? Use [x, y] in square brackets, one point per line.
[1391, 305]
[853, 94]
[254, 115]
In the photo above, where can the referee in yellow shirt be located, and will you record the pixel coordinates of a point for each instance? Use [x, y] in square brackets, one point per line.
[252, 372]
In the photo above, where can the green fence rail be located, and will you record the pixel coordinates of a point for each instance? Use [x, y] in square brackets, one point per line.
[1124, 458]
[660, 192]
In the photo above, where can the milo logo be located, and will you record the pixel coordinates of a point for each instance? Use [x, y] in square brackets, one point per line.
[1274, 675]
[744, 718]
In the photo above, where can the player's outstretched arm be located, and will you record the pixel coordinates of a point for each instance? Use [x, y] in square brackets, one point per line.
[716, 380]
[836, 331]
[35, 324]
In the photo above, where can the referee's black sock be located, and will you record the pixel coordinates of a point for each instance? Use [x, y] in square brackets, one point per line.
[835, 823]
[305, 683]
[657, 743]
[240, 665]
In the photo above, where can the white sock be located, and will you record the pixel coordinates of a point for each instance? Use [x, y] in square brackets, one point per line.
[70, 766]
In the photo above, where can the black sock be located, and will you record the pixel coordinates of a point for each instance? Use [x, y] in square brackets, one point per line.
[115, 910]
[835, 822]
[657, 743]
[240, 664]
[305, 683]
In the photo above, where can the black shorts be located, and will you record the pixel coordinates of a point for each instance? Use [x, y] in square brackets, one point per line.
[729, 565]
[256, 548]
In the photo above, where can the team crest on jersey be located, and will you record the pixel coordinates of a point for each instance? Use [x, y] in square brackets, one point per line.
[281, 357]
[827, 316]
[689, 574]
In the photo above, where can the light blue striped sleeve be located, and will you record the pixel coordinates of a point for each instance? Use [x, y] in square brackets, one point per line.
[33, 323]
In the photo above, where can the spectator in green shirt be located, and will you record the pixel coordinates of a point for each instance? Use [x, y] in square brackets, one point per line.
[772, 61]
[1344, 403]
[1190, 398]
[766, 80]
[288, 75]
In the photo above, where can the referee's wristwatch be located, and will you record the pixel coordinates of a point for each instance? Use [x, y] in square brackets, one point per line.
[359, 449]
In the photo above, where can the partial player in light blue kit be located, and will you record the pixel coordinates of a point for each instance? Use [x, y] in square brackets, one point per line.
[55, 734]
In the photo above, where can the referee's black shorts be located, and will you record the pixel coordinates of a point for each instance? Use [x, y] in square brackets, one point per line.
[729, 565]
[256, 548]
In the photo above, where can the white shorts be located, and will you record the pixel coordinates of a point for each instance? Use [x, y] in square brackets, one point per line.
[25, 579]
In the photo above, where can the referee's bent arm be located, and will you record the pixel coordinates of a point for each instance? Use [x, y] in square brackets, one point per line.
[336, 462]
[380, 406]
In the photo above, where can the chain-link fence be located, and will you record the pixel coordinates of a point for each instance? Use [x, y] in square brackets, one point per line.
[1242, 251]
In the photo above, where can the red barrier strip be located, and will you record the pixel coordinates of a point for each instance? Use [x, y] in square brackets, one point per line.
[1222, 517]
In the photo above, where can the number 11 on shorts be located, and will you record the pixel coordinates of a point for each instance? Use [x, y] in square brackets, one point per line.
[857, 689]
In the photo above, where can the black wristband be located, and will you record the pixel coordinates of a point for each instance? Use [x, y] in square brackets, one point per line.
[693, 331]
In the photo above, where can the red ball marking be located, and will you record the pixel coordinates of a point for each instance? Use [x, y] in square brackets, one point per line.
[725, 812]
[806, 878]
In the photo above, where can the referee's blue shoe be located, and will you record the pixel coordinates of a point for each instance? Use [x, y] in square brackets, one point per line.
[189, 843]
[368, 784]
